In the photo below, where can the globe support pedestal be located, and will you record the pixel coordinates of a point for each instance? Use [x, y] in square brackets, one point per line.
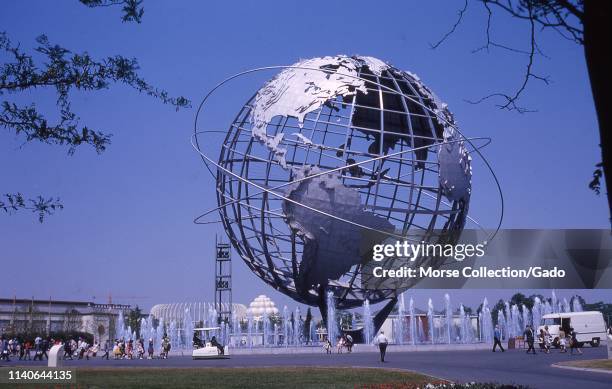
[357, 334]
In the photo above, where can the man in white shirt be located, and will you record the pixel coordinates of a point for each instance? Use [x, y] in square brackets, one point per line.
[382, 342]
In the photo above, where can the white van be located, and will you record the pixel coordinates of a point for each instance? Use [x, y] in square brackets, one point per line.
[589, 326]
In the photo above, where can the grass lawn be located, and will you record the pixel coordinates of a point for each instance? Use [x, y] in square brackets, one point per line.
[244, 378]
[605, 364]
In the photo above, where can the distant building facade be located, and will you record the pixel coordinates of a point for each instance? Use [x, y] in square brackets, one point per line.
[199, 312]
[18, 316]
[262, 306]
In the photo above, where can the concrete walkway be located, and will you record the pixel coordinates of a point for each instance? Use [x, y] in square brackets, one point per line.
[359, 348]
[513, 366]
[577, 368]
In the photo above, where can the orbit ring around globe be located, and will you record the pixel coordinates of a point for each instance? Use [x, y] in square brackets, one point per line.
[281, 196]
[298, 197]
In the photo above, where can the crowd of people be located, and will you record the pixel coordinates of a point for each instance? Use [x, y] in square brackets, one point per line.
[567, 338]
[344, 341]
[13, 348]
[128, 349]
[26, 350]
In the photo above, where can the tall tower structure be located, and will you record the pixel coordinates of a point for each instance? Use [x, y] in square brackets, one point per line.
[223, 280]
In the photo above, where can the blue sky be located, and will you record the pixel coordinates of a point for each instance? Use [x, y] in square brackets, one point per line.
[127, 224]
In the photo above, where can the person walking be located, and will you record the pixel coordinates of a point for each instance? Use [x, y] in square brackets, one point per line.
[122, 348]
[11, 346]
[529, 336]
[4, 349]
[82, 345]
[68, 349]
[37, 345]
[382, 342]
[140, 348]
[327, 346]
[74, 347]
[165, 346]
[496, 339]
[543, 344]
[44, 346]
[95, 349]
[92, 350]
[349, 343]
[105, 349]
[547, 339]
[21, 349]
[116, 350]
[151, 349]
[574, 342]
[38, 350]
[130, 349]
[562, 341]
[27, 348]
[340, 344]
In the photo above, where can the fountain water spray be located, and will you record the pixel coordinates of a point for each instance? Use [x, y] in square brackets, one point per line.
[413, 328]
[159, 335]
[536, 312]
[430, 320]
[313, 332]
[464, 328]
[332, 326]
[286, 326]
[547, 309]
[564, 306]
[486, 325]
[420, 330]
[235, 325]
[264, 327]
[187, 329]
[250, 329]
[173, 332]
[120, 327]
[400, 320]
[526, 317]
[297, 330]
[508, 317]
[368, 325]
[516, 325]
[449, 317]
[503, 327]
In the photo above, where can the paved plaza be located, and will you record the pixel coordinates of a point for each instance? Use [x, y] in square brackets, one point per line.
[513, 366]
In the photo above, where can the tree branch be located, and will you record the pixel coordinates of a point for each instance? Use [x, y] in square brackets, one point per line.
[132, 10]
[64, 71]
[11, 203]
[452, 30]
[34, 126]
[541, 10]
[511, 100]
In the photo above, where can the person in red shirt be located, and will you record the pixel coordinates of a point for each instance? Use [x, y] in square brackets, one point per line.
[27, 347]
